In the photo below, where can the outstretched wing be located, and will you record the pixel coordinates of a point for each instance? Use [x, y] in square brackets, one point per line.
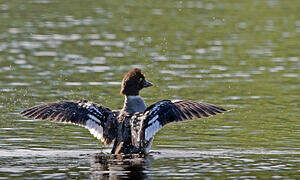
[161, 113]
[100, 121]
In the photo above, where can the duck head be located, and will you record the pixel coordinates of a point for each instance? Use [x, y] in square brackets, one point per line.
[133, 82]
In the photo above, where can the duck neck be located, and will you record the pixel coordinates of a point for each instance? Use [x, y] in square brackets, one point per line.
[134, 104]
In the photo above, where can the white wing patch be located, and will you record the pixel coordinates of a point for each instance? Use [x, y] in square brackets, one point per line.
[94, 118]
[152, 129]
[95, 129]
[176, 100]
[93, 124]
[95, 109]
[156, 108]
[89, 106]
[153, 125]
[153, 119]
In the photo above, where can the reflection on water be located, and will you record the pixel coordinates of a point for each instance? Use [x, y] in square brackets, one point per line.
[58, 164]
[116, 167]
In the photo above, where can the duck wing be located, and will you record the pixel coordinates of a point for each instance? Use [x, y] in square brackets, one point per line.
[166, 111]
[100, 121]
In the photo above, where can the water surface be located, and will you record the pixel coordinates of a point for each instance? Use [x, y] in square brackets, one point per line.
[243, 56]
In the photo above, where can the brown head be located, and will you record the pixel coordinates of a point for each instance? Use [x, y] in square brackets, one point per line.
[133, 82]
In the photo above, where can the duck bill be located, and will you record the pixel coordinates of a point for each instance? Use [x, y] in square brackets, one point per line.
[147, 84]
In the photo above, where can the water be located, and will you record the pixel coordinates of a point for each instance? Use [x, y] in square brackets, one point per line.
[243, 56]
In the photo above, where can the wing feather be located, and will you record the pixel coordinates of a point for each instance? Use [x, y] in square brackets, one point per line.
[100, 121]
[161, 113]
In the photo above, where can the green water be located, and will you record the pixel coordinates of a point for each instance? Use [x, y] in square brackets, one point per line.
[241, 55]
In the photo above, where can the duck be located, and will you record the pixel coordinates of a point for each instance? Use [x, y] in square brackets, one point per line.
[131, 129]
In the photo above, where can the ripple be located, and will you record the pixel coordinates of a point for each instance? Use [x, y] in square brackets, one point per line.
[3, 46]
[18, 139]
[73, 83]
[241, 74]
[180, 86]
[218, 75]
[93, 68]
[72, 37]
[20, 61]
[75, 59]
[160, 58]
[232, 98]
[104, 83]
[18, 84]
[216, 48]
[29, 45]
[92, 36]
[14, 30]
[175, 73]
[107, 43]
[291, 75]
[44, 153]
[98, 60]
[15, 51]
[114, 54]
[182, 66]
[58, 37]
[40, 37]
[164, 153]
[44, 73]
[109, 36]
[40, 1]
[45, 53]
[186, 57]
[201, 51]
[220, 68]
[293, 59]
[190, 76]
[255, 97]
[7, 90]
[6, 68]
[260, 52]
[276, 69]
[157, 11]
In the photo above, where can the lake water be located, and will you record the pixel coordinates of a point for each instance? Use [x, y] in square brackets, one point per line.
[241, 55]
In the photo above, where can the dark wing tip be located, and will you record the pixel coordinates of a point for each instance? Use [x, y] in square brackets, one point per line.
[212, 109]
[23, 112]
[192, 109]
[30, 111]
[218, 107]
